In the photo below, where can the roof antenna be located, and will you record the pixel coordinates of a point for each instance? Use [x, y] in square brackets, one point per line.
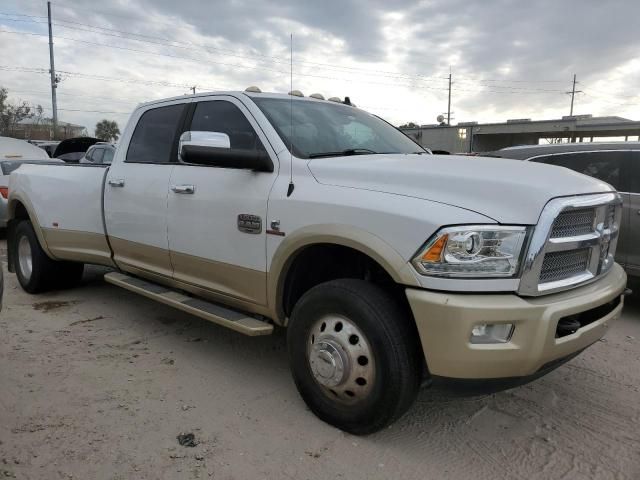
[291, 185]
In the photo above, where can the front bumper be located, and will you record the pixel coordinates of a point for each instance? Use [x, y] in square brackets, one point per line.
[445, 321]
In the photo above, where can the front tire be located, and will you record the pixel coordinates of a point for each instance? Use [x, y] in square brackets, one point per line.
[37, 272]
[354, 355]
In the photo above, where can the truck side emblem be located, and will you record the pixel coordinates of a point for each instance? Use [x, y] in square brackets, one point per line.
[248, 223]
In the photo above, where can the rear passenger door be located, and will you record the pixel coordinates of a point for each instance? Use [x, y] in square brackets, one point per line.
[208, 247]
[609, 166]
[135, 198]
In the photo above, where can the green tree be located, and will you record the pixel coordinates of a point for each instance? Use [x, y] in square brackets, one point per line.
[12, 113]
[107, 130]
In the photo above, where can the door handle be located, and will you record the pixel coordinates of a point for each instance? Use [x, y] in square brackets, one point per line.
[117, 182]
[184, 189]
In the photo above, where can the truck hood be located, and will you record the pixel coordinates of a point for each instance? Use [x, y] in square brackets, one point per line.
[508, 191]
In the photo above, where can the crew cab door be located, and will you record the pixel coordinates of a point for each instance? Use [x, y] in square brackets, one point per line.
[205, 205]
[136, 190]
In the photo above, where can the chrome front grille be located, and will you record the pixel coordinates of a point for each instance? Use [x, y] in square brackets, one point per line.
[562, 265]
[573, 222]
[573, 243]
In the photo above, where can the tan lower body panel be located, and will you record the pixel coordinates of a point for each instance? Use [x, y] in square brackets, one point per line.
[238, 287]
[239, 282]
[445, 322]
[141, 256]
[78, 246]
[209, 311]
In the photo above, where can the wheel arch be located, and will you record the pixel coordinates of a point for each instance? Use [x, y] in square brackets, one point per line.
[18, 209]
[357, 240]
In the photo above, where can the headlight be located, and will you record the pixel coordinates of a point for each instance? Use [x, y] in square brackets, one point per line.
[472, 251]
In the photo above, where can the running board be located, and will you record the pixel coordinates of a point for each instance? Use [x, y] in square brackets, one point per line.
[213, 312]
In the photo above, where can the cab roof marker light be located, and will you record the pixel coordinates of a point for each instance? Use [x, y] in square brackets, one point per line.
[253, 89]
[317, 96]
[296, 93]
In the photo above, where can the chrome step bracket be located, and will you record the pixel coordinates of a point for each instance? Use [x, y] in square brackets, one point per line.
[213, 312]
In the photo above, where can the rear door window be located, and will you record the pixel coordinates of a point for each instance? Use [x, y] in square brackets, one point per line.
[634, 172]
[96, 156]
[154, 139]
[605, 166]
[107, 158]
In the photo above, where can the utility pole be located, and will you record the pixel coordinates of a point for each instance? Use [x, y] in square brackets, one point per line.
[449, 102]
[193, 89]
[573, 94]
[52, 70]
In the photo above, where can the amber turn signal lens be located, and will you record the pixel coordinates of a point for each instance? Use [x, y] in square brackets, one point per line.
[4, 191]
[434, 252]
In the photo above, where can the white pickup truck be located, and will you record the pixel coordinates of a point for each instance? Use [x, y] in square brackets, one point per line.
[390, 267]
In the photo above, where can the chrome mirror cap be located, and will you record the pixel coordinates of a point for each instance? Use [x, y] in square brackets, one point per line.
[203, 139]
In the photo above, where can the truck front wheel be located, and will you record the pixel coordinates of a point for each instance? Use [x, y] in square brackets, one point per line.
[354, 355]
[36, 272]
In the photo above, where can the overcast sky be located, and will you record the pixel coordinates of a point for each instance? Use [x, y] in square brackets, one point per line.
[508, 58]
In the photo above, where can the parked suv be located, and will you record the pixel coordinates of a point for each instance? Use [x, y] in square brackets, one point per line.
[617, 164]
[100, 154]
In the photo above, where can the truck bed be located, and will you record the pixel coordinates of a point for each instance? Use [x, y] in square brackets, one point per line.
[66, 201]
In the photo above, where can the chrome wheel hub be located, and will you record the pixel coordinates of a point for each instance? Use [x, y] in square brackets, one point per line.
[341, 359]
[25, 261]
[328, 363]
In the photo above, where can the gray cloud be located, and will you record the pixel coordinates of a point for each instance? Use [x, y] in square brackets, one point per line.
[528, 47]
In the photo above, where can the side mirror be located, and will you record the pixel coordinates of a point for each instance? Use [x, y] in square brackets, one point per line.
[214, 148]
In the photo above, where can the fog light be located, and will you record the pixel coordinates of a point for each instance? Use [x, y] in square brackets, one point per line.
[492, 333]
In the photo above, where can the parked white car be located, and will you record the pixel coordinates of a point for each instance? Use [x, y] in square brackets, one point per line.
[390, 267]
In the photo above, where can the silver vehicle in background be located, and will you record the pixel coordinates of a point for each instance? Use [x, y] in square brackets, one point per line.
[99, 154]
[616, 163]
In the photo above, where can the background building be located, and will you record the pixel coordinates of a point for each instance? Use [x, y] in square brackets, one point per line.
[474, 137]
[42, 129]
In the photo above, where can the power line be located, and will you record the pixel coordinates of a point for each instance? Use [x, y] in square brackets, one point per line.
[272, 59]
[226, 52]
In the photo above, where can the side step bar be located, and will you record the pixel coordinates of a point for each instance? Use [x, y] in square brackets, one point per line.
[213, 312]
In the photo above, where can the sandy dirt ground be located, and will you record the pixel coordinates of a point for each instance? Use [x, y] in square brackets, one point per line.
[97, 383]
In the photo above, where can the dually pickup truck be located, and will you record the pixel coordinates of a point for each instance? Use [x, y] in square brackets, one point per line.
[390, 267]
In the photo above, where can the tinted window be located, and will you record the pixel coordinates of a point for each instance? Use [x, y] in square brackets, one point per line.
[108, 156]
[225, 117]
[89, 154]
[153, 138]
[634, 172]
[605, 166]
[96, 156]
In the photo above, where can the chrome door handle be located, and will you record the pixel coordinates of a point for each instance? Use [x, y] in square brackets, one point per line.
[184, 189]
[117, 182]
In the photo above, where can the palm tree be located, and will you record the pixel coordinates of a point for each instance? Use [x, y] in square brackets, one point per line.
[107, 130]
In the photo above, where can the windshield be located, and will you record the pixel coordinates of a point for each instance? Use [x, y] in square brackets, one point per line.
[325, 129]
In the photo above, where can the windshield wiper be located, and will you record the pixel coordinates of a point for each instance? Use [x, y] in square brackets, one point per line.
[343, 153]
